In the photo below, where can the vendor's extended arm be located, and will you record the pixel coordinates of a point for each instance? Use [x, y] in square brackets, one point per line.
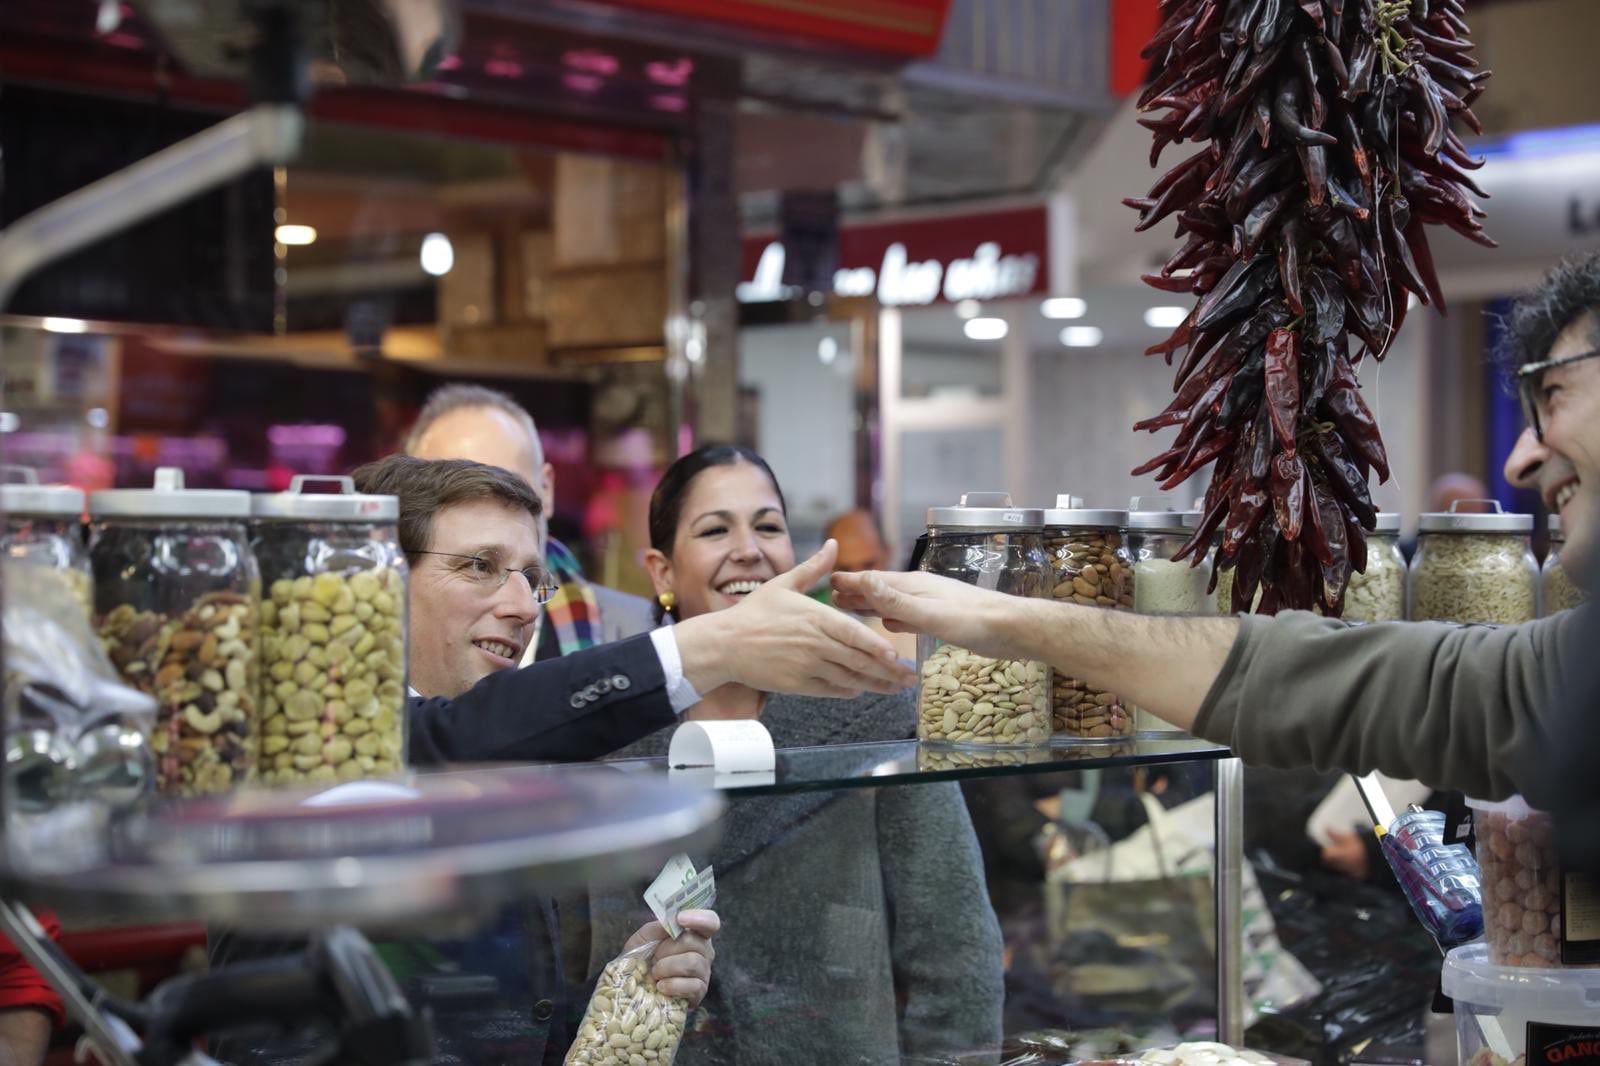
[1462, 707]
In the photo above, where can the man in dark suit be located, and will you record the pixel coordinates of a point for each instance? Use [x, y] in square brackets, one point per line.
[477, 581]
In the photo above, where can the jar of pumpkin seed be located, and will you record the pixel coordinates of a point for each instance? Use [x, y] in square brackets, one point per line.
[1475, 567]
[1556, 590]
[333, 633]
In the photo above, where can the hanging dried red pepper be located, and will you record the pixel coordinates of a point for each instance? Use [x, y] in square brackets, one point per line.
[1328, 146]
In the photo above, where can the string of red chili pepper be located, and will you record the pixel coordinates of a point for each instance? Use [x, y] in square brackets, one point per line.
[1328, 148]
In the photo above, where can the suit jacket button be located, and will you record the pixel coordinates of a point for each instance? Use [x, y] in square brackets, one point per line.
[577, 701]
[621, 683]
[542, 1010]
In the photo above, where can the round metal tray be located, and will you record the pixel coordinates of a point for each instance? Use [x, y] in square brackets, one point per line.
[443, 844]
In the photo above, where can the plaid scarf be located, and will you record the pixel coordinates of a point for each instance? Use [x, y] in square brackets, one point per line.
[573, 610]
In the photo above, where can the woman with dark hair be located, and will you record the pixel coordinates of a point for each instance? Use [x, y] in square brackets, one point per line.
[857, 927]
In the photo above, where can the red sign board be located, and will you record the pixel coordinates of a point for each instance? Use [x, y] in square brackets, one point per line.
[994, 255]
[909, 28]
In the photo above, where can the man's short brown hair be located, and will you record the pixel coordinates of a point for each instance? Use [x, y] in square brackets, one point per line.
[428, 486]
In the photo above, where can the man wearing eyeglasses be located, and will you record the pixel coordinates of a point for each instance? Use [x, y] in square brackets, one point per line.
[477, 580]
[1473, 708]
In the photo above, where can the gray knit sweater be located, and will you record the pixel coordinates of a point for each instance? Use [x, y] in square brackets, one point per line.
[856, 925]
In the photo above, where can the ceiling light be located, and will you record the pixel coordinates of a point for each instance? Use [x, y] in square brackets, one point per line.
[9, 422]
[1063, 307]
[985, 329]
[968, 309]
[296, 235]
[827, 351]
[1082, 336]
[1165, 317]
[98, 417]
[438, 255]
[66, 325]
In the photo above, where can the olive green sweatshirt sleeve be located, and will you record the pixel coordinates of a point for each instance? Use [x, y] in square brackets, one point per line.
[1455, 707]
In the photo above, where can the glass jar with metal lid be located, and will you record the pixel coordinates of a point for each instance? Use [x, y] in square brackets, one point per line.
[176, 604]
[1556, 590]
[1156, 533]
[962, 697]
[333, 633]
[1379, 593]
[1475, 567]
[1090, 566]
[43, 525]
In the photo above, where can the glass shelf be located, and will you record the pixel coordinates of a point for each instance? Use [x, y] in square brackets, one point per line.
[908, 762]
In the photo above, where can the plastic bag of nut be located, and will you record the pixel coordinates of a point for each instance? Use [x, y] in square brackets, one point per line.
[628, 1021]
[1090, 566]
[1526, 895]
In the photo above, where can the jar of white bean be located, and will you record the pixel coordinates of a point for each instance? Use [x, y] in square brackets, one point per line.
[1378, 594]
[964, 697]
[1475, 567]
[1556, 590]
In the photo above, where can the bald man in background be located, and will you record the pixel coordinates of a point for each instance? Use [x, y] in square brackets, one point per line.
[487, 426]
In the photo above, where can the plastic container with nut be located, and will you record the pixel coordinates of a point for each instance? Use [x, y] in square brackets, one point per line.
[1474, 567]
[176, 595]
[1161, 585]
[1379, 593]
[43, 523]
[333, 634]
[1557, 592]
[963, 697]
[1089, 565]
[1535, 913]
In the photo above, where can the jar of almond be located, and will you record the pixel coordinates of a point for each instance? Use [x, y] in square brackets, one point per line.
[333, 634]
[1090, 566]
[176, 597]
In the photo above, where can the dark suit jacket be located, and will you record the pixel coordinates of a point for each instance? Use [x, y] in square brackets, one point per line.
[577, 707]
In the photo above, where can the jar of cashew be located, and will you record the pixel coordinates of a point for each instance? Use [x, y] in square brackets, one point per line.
[963, 697]
[1089, 565]
[1557, 592]
[333, 634]
[176, 604]
[1475, 567]
[44, 524]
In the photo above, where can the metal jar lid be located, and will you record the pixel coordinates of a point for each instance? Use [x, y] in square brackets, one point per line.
[1070, 511]
[21, 494]
[1388, 523]
[987, 511]
[346, 505]
[1495, 521]
[1556, 533]
[1155, 514]
[169, 499]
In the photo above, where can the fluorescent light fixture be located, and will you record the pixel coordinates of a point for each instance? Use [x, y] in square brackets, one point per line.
[827, 351]
[1167, 316]
[1063, 307]
[1082, 336]
[968, 309]
[984, 329]
[97, 417]
[9, 422]
[66, 325]
[438, 255]
[292, 234]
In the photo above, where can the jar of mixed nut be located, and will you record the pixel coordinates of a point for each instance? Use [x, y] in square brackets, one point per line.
[962, 697]
[1475, 567]
[1156, 533]
[333, 634]
[176, 595]
[43, 524]
[1556, 590]
[1379, 593]
[1090, 565]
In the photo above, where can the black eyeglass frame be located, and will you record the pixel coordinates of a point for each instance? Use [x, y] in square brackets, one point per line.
[1528, 378]
[543, 588]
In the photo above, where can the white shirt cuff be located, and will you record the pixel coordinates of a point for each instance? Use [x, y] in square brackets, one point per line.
[680, 693]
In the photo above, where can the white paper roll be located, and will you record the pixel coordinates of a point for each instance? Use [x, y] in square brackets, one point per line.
[742, 746]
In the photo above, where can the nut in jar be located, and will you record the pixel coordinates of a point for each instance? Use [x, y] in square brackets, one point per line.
[965, 698]
[1525, 896]
[1090, 567]
[201, 669]
[333, 651]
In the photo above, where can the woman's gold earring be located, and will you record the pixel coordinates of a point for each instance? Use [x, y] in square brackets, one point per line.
[668, 601]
